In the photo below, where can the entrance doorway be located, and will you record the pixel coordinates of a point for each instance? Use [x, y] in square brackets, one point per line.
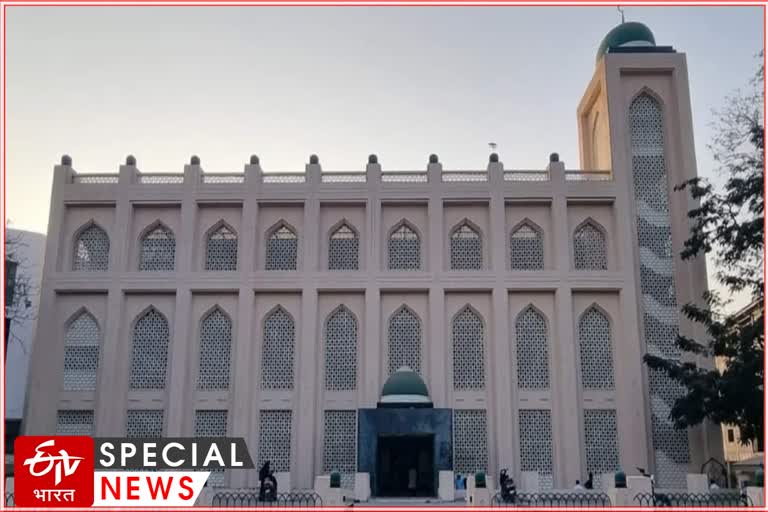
[405, 465]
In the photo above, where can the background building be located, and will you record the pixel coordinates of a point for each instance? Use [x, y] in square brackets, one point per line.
[275, 306]
[742, 460]
[24, 269]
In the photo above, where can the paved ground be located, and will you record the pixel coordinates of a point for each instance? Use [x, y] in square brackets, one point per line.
[409, 502]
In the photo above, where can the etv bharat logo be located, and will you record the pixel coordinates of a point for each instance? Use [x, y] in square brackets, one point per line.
[60, 462]
[53, 472]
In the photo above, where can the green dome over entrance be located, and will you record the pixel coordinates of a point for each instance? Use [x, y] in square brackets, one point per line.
[405, 387]
[631, 33]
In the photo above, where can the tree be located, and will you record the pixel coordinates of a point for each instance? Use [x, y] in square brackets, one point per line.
[19, 287]
[727, 226]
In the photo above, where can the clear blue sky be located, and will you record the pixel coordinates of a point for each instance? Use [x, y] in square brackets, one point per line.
[165, 83]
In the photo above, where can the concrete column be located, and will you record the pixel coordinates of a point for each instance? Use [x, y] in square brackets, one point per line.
[243, 381]
[179, 416]
[370, 378]
[247, 247]
[189, 215]
[112, 364]
[43, 376]
[308, 361]
[439, 358]
[566, 396]
[502, 393]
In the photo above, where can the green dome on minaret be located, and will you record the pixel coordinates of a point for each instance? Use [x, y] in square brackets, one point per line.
[405, 386]
[630, 33]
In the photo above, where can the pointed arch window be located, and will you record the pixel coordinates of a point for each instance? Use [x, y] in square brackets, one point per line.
[404, 340]
[532, 350]
[221, 249]
[215, 351]
[81, 353]
[589, 248]
[468, 351]
[282, 249]
[158, 250]
[404, 249]
[526, 248]
[91, 250]
[466, 248]
[341, 351]
[149, 357]
[343, 247]
[595, 350]
[278, 350]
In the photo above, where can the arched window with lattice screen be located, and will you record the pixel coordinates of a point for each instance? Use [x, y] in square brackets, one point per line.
[466, 248]
[595, 350]
[278, 349]
[343, 248]
[404, 333]
[81, 353]
[341, 351]
[91, 250]
[468, 334]
[526, 248]
[282, 249]
[215, 351]
[158, 250]
[149, 357]
[404, 247]
[532, 338]
[221, 249]
[589, 247]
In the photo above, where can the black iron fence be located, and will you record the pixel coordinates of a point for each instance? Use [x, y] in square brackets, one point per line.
[250, 498]
[552, 499]
[692, 499]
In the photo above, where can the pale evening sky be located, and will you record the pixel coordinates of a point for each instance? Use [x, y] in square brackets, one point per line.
[164, 83]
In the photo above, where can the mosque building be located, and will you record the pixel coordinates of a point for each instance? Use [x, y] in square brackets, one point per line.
[381, 321]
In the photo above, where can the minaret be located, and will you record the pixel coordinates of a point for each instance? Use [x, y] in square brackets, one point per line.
[635, 119]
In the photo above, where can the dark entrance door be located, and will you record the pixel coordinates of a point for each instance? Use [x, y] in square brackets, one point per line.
[405, 465]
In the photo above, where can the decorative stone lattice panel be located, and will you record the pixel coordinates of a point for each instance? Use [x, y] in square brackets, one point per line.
[404, 340]
[221, 250]
[466, 249]
[275, 439]
[212, 423]
[282, 249]
[468, 351]
[589, 248]
[601, 441]
[532, 350]
[526, 248]
[343, 247]
[215, 351]
[596, 351]
[81, 353]
[536, 444]
[74, 423]
[144, 423]
[341, 351]
[340, 445]
[278, 350]
[149, 358]
[404, 249]
[657, 284]
[91, 250]
[158, 250]
[470, 441]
